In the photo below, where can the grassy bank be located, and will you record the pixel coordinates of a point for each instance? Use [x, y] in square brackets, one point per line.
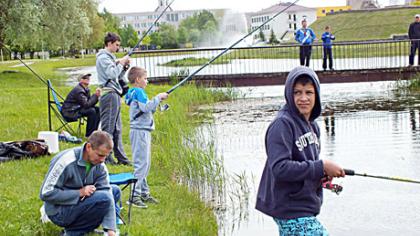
[366, 25]
[24, 113]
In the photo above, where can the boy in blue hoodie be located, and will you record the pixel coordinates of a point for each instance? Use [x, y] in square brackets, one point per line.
[141, 125]
[290, 190]
[327, 38]
[305, 37]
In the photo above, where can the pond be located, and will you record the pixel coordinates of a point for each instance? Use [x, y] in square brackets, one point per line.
[375, 129]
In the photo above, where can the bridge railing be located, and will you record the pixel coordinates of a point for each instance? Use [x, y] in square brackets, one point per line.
[358, 55]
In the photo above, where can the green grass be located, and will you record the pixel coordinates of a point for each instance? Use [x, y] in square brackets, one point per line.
[353, 26]
[177, 155]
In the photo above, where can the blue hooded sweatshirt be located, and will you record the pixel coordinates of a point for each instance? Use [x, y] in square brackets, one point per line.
[290, 185]
[142, 107]
[327, 38]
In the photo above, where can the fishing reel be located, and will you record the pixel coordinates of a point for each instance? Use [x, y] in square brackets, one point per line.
[164, 107]
[327, 184]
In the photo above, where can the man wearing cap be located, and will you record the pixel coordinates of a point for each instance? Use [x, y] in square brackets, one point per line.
[414, 35]
[305, 37]
[79, 103]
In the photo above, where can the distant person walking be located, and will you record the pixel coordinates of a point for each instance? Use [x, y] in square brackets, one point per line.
[414, 35]
[327, 38]
[305, 37]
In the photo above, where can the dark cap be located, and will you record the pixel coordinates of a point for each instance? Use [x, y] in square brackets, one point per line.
[85, 76]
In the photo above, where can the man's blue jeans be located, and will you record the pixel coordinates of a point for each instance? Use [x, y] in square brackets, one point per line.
[87, 215]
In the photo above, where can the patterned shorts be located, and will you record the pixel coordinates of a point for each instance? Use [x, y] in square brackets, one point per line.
[304, 226]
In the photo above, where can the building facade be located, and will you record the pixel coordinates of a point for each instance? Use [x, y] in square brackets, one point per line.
[285, 24]
[323, 11]
[141, 21]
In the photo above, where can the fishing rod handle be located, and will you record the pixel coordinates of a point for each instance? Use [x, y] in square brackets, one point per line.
[349, 172]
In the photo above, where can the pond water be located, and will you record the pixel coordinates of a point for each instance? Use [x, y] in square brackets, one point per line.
[375, 129]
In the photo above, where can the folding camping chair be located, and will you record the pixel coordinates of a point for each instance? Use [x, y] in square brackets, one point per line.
[55, 105]
[126, 179]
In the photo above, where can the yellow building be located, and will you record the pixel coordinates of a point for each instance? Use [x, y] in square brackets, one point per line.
[322, 11]
[415, 3]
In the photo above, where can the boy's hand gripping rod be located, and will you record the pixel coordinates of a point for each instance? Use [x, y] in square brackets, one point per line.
[353, 173]
[189, 77]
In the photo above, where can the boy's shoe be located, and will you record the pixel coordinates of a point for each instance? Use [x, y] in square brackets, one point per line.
[149, 199]
[119, 221]
[137, 202]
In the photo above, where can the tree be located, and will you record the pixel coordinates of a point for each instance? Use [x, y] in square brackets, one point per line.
[261, 35]
[273, 39]
[168, 35]
[198, 28]
[182, 36]
[19, 24]
[129, 37]
[156, 39]
[112, 23]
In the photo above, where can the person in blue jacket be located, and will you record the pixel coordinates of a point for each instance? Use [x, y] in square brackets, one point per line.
[141, 126]
[290, 190]
[305, 37]
[327, 38]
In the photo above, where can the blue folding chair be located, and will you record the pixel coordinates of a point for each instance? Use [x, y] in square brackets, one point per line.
[55, 105]
[126, 179]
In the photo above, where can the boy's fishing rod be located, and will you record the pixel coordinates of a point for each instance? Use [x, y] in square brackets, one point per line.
[121, 80]
[353, 173]
[189, 77]
[36, 74]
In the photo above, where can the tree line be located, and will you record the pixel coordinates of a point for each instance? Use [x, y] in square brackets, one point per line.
[73, 25]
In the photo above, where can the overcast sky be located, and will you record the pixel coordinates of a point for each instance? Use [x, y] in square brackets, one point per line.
[120, 6]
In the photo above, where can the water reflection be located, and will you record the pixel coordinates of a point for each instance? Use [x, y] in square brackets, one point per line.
[368, 127]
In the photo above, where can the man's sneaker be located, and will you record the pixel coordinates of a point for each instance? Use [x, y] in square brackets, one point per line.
[149, 199]
[137, 202]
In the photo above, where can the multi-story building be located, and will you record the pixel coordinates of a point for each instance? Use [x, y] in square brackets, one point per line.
[285, 24]
[322, 11]
[141, 21]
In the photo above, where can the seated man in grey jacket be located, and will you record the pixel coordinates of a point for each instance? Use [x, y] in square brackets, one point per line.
[79, 103]
[76, 190]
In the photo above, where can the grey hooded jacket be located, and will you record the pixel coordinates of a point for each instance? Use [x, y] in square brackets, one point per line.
[108, 70]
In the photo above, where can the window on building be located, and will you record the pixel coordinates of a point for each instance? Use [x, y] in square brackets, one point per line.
[290, 17]
[290, 26]
[294, 26]
[294, 17]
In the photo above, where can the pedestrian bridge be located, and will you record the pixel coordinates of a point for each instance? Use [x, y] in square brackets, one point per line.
[359, 61]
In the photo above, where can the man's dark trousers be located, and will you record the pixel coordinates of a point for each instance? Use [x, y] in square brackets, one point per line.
[327, 54]
[415, 46]
[93, 118]
[305, 54]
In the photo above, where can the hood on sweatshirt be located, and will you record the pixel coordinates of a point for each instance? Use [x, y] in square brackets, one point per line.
[288, 90]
